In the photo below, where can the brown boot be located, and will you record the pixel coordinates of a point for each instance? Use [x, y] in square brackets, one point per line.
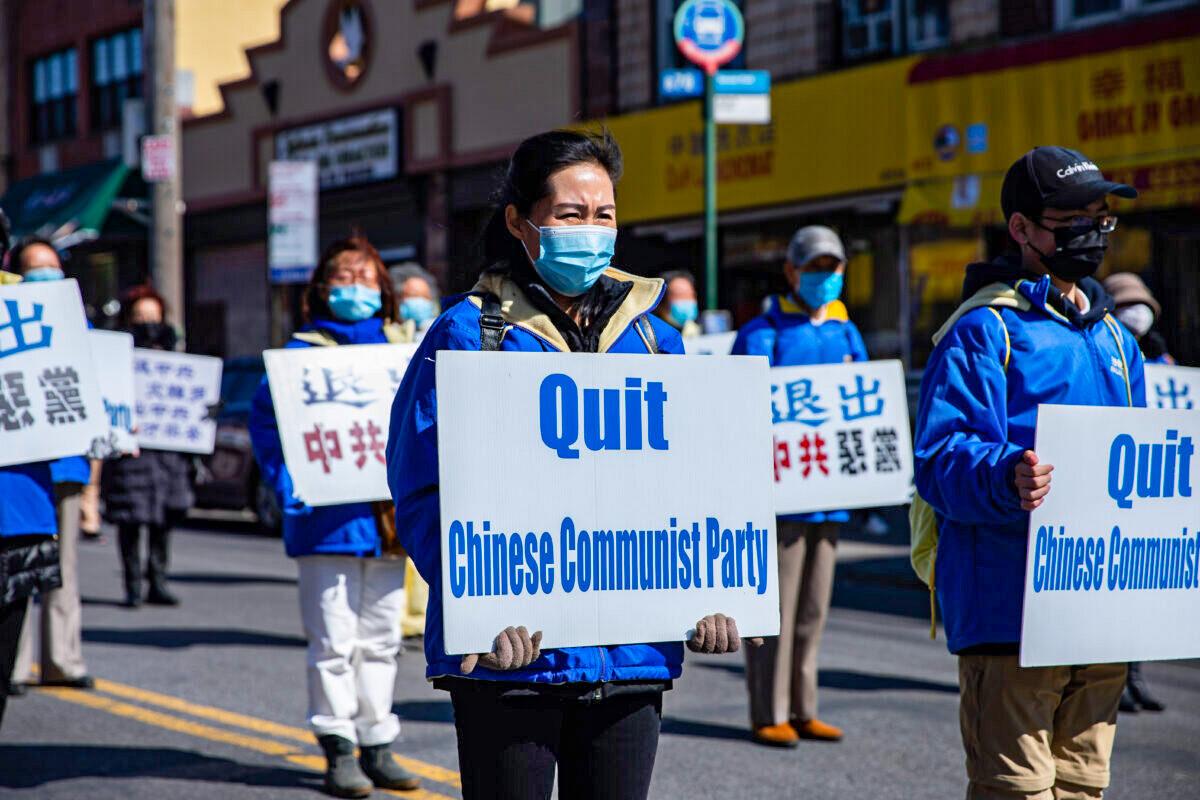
[820, 731]
[776, 735]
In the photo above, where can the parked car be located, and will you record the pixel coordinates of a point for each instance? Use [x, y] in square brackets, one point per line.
[229, 478]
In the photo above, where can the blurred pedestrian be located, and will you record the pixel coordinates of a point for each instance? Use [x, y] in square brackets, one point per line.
[351, 566]
[61, 631]
[679, 307]
[797, 329]
[591, 714]
[1138, 310]
[1034, 328]
[150, 488]
[417, 297]
[28, 542]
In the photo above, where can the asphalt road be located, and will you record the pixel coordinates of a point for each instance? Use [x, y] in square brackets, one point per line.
[207, 700]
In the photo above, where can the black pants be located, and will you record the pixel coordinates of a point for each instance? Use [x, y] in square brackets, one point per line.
[508, 746]
[129, 536]
[12, 616]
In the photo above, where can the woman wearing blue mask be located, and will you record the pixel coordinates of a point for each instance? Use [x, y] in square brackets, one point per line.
[679, 307]
[797, 329]
[351, 572]
[591, 714]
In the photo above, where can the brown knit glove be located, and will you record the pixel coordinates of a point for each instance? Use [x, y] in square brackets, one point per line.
[718, 633]
[514, 648]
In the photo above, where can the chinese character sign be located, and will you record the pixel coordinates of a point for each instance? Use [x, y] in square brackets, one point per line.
[333, 406]
[1172, 388]
[50, 401]
[841, 437]
[175, 394]
[112, 353]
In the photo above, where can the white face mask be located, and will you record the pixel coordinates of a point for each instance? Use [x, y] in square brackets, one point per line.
[1138, 318]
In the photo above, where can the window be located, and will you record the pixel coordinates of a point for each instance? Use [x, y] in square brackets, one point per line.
[116, 76]
[55, 83]
[870, 28]
[928, 24]
[1081, 13]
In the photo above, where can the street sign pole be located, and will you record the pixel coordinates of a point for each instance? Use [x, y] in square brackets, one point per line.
[710, 195]
[709, 33]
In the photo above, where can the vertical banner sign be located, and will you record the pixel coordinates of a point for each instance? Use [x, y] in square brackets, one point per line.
[1172, 388]
[174, 394]
[292, 241]
[112, 352]
[1113, 566]
[50, 403]
[334, 406]
[841, 437]
[158, 158]
[603, 499]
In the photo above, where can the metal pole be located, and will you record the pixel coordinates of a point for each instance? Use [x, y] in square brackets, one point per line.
[166, 242]
[710, 196]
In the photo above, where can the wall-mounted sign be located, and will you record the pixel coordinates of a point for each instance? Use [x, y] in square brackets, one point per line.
[346, 42]
[349, 150]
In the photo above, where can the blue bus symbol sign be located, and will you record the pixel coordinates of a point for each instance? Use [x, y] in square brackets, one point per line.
[709, 33]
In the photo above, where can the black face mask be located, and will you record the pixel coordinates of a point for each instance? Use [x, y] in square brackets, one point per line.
[1076, 256]
[154, 335]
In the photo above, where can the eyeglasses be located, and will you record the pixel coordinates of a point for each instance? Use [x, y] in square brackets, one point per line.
[1081, 226]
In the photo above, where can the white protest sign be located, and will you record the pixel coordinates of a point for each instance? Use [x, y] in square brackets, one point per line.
[1173, 388]
[174, 392]
[1112, 566]
[841, 436]
[603, 499]
[112, 352]
[333, 405]
[710, 344]
[50, 403]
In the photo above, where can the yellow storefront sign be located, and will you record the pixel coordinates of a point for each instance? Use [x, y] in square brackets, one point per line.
[840, 133]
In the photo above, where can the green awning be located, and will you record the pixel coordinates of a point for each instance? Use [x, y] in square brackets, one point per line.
[66, 207]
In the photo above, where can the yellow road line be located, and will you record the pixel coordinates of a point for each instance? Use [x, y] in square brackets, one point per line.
[426, 770]
[199, 730]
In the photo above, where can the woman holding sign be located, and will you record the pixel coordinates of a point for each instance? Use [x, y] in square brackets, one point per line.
[351, 572]
[521, 711]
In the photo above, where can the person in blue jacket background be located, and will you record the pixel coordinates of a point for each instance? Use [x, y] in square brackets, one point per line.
[61, 618]
[548, 286]
[1035, 328]
[351, 574]
[797, 329]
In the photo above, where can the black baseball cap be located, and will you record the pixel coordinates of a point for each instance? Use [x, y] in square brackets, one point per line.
[1055, 177]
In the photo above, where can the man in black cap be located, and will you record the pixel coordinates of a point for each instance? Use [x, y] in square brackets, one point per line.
[1034, 328]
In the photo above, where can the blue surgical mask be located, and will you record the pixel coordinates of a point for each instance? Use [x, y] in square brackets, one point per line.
[819, 288]
[573, 257]
[419, 309]
[354, 302]
[38, 274]
[684, 311]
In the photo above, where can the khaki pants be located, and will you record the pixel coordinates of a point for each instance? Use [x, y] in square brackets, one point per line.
[61, 637]
[1039, 733]
[416, 597]
[782, 674]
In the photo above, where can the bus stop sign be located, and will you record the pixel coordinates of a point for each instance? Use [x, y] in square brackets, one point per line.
[709, 33]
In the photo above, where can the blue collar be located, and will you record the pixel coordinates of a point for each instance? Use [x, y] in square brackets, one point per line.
[367, 331]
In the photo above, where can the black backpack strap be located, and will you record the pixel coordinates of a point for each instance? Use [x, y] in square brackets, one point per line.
[646, 330]
[491, 323]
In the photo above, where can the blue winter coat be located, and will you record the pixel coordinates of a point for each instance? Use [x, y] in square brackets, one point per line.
[978, 414]
[348, 529]
[412, 457]
[27, 500]
[72, 469]
[786, 336]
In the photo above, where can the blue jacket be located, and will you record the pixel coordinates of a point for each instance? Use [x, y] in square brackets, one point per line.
[412, 457]
[72, 469]
[978, 414]
[27, 500]
[787, 337]
[348, 529]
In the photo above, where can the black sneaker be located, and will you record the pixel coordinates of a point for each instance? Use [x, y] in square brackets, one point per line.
[82, 682]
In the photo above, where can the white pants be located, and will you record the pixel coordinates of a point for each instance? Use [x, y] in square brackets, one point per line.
[351, 611]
